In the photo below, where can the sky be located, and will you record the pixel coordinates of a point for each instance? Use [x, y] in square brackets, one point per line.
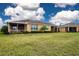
[57, 13]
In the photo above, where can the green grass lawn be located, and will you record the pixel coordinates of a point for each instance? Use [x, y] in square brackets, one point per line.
[40, 44]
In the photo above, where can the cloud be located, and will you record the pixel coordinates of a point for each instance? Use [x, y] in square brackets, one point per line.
[10, 11]
[63, 5]
[65, 17]
[39, 13]
[1, 23]
[29, 6]
[31, 11]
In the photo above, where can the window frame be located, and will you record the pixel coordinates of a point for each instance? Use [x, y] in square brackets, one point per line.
[34, 27]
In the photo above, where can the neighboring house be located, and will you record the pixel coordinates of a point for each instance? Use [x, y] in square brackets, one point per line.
[28, 26]
[70, 27]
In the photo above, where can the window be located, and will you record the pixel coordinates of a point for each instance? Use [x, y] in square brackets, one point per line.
[34, 27]
[14, 28]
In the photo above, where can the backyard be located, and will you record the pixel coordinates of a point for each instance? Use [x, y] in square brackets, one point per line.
[39, 44]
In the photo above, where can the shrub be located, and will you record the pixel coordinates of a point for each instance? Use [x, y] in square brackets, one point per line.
[4, 29]
[44, 28]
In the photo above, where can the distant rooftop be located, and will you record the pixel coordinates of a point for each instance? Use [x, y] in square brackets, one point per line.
[70, 25]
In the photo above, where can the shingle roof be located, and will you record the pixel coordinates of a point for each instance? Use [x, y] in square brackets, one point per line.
[70, 25]
[32, 22]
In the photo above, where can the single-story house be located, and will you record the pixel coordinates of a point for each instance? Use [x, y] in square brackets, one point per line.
[35, 25]
[28, 26]
[70, 27]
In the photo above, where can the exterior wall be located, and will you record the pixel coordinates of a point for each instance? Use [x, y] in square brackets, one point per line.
[30, 26]
[25, 28]
[28, 29]
[9, 30]
[39, 24]
[49, 28]
[62, 29]
[57, 29]
[54, 28]
[77, 28]
[39, 27]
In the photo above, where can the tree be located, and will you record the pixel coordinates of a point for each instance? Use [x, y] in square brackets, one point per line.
[44, 28]
[4, 29]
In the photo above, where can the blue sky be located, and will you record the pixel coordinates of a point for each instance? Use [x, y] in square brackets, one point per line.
[49, 8]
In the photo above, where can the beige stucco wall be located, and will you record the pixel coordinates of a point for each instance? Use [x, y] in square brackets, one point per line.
[48, 26]
[39, 27]
[25, 27]
[9, 30]
[62, 29]
[77, 28]
[28, 29]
